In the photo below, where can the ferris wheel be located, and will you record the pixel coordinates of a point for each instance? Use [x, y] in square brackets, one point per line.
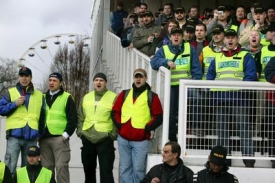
[40, 55]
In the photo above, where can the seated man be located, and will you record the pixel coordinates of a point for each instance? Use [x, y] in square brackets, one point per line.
[172, 169]
[215, 168]
[34, 171]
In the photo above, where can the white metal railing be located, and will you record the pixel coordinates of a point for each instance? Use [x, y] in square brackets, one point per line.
[197, 150]
[98, 27]
[121, 63]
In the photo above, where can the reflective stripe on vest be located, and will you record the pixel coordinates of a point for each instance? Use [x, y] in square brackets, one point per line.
[183, 63]
[56, 119]
[98, 114]
[2, 171]
[21, 116]
[138, 112]
[44, 176]
[266, 55]
[208, 56]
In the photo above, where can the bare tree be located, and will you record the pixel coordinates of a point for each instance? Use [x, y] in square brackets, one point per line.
[8, 74]
[73, 64]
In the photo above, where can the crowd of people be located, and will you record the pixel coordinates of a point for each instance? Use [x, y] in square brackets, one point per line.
[225, 43]
[219, 45]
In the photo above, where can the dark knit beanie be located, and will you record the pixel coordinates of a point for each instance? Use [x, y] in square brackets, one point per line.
[56, 75]
[100, 75]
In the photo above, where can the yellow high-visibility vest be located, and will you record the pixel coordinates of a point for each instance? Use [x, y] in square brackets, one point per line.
[21, 116]
[266, 55]
[183, 63]
[138, 112]
[56, 119]
[99, 117]
[44, 176]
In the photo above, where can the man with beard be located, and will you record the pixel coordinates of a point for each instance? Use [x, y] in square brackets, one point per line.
[146, 38]
[216, 169]
[180, 16]
[135, 113]
[24, 107]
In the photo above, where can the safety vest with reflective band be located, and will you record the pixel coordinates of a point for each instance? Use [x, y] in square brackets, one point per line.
[208, 56]
[56, 119]
[2, 171]
[98, 114]
[44, 176]
[230, 68]
[138, 111]
[266, 55]
[183, 63]
[21, 116]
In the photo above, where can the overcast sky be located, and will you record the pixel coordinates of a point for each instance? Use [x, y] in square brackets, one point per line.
[25, 22]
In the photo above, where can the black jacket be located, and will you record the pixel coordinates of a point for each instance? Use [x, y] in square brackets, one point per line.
[70, 111]
[33, 172]
[7, 175]
[207, 176]
[182, 174]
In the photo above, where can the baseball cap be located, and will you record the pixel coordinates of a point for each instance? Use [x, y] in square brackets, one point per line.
[180, 9]
[230, 32]
[148, 13]
[218, 155]
[189, 27]
[25, 71]
[222, 8]
[176, 30]
[56, 75]
[33, 150]
[218, 29]
[259, 9]
[140, 71]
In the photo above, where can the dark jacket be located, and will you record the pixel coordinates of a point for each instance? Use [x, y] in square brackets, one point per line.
[7, 107]
[208, 176]
[70, 111]
[140, 39]
[7, 175]
[126, 130]
[159, 60]
[270, 77]
[117, 20]
[182, 174]
[33, 172]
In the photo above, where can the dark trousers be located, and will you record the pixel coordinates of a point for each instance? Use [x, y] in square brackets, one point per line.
[105, 152]
[173, 116]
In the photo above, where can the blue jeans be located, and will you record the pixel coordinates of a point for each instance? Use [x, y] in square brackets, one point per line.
[14, 146]
[194, 97]
[225, 114]
[132, 161]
